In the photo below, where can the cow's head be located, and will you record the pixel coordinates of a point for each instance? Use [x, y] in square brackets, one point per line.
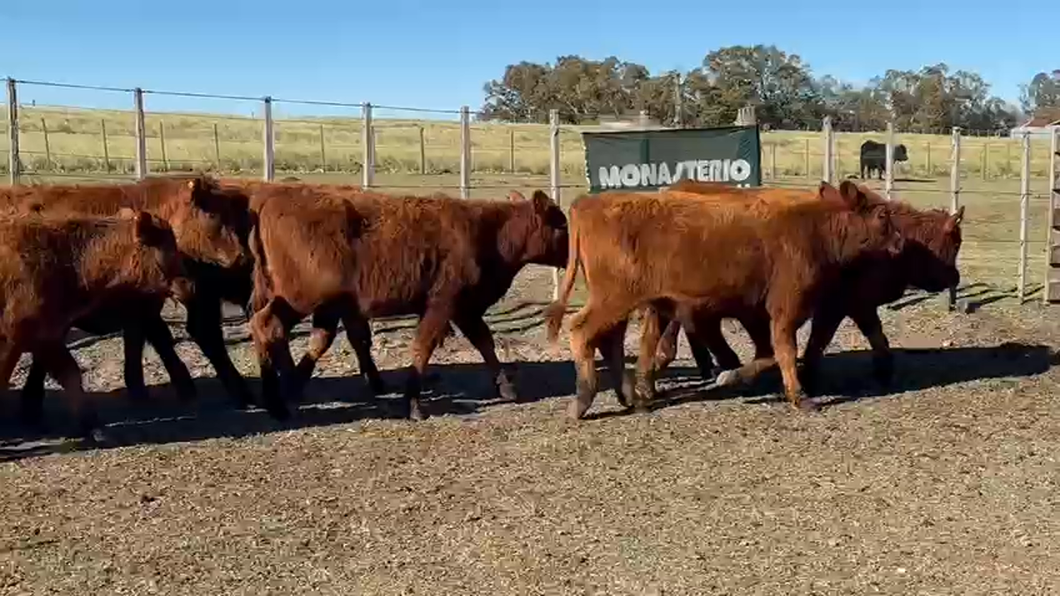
[869, 224]
[160, 266]
[900, 153]
[211, 223]
[932, 242]
[542, 227]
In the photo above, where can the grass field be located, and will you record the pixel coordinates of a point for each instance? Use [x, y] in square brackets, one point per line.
[943, 483]
[231, 144]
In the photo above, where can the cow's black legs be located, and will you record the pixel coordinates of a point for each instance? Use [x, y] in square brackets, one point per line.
[478, 333]
[204, 326]
[359, 334]
[156, 332]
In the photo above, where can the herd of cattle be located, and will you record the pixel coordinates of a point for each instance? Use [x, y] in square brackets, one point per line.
[104, 258]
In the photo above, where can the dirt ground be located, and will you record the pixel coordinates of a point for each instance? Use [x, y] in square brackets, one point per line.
[946, 483]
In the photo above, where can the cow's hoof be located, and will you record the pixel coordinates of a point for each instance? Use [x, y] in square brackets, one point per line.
[506, 391]
[727, 378]
[416, 413]
[805, 404]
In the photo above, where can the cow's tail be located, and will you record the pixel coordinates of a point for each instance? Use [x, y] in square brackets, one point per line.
[262, 281]
[555, 311]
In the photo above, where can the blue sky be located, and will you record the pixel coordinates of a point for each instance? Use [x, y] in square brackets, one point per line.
[438, 55]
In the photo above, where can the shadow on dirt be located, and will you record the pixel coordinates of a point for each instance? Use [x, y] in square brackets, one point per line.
[467, 389]
[847, 376]
[461, 389]
[974, 296]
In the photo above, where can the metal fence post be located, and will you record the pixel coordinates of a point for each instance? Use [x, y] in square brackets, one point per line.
[141, 134]
[465, 152]
[1054, 201]
[955, 195]
[1025, 195]
[368, 146]
[13, 164]
[828, 169]
[889, 165]
[268, 141]
[554, 179]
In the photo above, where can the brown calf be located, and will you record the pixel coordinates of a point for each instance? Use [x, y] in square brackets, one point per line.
[729, 258]
[932, 240]
[55, 270]
[210, 224]
[368, 255]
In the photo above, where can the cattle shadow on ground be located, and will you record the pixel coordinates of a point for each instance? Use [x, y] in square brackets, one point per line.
[914, 181]
[974, 296]
[847, 376]
[454, 389]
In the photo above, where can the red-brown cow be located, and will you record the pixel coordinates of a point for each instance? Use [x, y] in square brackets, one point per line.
[730, 258]
[927, 262]
[54, 270]
[211, 226]
[371, 255]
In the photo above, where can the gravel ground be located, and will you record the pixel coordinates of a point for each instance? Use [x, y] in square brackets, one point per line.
[944, 484]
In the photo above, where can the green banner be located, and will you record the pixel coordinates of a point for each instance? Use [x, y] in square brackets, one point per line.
[651, 159]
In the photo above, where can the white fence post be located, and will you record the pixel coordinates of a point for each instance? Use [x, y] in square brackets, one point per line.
[1054, 201]
[368, 146]
[141, 134]
[465, 152]
[269, 139]
[13, 164]
[955, 195]
[889, 165]
[554, 178]
[1025, 196]
[828, 169]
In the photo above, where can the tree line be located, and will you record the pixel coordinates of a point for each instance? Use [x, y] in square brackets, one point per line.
[782, 87]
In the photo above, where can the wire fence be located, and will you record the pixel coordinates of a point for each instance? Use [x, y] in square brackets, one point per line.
[1002, 182]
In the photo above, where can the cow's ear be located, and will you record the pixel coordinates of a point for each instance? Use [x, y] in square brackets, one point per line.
[541, 201]
[516, 196]
[852, 195]
[954, 220]
[828, 192]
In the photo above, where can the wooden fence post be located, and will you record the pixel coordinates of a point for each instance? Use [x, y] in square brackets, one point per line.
[162, 143]
[368, 146]
[323, 152]
[47, 145]
[828, 168]
[773, 160]
[1025, 196]
[930, 172]
[216, 146]
[554, 179]
[13, 163]
[423, 151]
[888, 183]
[511, 150]
[955, 195]
[465, 152]
[985, 165]
[106, 150]
[141, 134]
[809, 174]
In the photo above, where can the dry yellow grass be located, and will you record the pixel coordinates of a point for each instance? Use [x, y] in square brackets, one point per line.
[75, 145]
